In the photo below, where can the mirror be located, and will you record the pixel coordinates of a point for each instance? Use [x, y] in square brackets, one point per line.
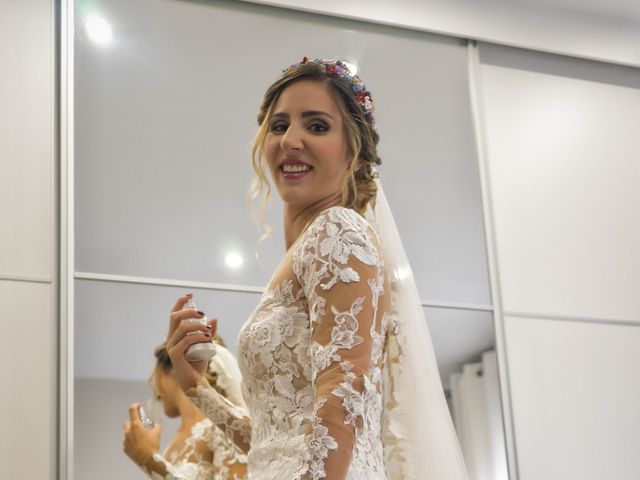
[166, 96]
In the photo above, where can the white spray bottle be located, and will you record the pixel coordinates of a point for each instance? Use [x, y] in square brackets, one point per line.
[199, 351]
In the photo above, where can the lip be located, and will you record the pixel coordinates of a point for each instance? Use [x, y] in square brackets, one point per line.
[294, 175]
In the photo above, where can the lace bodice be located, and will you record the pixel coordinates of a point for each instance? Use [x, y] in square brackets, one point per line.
[207, 454]
[311, 356]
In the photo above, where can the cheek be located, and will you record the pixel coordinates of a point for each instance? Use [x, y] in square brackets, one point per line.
[162, 386]
[271, 149]
[159, 390]
[338, 152]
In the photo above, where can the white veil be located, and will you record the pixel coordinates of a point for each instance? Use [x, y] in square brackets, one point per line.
[420, 440]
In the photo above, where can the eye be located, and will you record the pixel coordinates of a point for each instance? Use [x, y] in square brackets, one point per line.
[319, 127]
[278, 127]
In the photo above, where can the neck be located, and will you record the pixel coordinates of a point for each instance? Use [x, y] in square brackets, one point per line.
[296, 218]
[189, 413]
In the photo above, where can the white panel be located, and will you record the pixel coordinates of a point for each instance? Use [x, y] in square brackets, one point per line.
[476, 440]
[494, 415]
[575, 395]
[117, 326]
[165, 119]
[562, 140]
[26, 138]
[27, 395]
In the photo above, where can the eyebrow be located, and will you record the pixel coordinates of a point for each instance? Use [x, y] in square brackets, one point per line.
[305, 114]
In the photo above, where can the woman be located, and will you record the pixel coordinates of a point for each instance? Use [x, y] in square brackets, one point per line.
[199, 450]
[324, 356]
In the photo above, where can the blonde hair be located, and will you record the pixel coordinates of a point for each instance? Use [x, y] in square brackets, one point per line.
[358, 188]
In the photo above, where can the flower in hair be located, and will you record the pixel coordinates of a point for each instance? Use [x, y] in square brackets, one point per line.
[338, 69]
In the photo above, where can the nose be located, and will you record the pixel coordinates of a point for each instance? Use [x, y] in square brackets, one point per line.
[292, 139]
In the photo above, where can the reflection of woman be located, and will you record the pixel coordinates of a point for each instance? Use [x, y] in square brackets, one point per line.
[199, 450]
[326, 357]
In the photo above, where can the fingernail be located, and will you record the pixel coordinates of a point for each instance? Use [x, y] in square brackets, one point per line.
[208, 335]
[199, 312]
[188, 294]
[208, 327]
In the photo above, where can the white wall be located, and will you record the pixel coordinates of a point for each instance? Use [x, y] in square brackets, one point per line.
[562, 171]
[27, 318]
[607, 32]
[575, 398]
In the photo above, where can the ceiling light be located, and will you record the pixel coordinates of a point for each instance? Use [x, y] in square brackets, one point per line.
[98, 30]
[233, 260]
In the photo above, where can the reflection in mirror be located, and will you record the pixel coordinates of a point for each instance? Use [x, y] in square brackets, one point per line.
[166, 103]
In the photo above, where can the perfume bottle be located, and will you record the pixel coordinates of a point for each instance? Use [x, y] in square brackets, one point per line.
[199, 351]
[149, 413]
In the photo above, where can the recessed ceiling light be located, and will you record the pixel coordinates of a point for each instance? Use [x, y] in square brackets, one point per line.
[233, 260]
[98, 30]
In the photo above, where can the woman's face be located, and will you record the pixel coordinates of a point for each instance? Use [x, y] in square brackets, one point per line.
[164, 388]
[306, 147]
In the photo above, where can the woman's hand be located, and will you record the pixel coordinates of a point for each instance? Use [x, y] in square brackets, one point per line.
[139, 443]
[181, 336]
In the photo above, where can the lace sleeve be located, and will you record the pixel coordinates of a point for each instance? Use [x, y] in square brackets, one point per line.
[342, 275]
[206, 455]
[233, 420]
[157, 468]
[192, 462]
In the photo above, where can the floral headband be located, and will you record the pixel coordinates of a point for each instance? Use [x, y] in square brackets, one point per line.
[338, 69]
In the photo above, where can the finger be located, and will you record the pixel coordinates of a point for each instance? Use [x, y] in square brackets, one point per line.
[187, 328]
[181, 302]
[133, 413]
[213, 323]
[186, 314]
[179, 316]
[179, 348]
[126, 426]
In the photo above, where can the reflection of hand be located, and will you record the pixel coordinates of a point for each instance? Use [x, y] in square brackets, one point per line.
[139, 443]
[181, 336]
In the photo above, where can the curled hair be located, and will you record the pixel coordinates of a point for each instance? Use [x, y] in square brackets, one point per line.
[358, 188]
[163, 361]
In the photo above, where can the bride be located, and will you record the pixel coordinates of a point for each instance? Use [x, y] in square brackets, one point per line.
[198, 450]
[338, 369]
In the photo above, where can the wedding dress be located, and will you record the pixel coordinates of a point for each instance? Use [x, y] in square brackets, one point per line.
[207, 454]
[335, 386]
[311, 357]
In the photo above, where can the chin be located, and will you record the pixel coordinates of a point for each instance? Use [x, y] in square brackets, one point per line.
[292, 199]
[296, 196]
